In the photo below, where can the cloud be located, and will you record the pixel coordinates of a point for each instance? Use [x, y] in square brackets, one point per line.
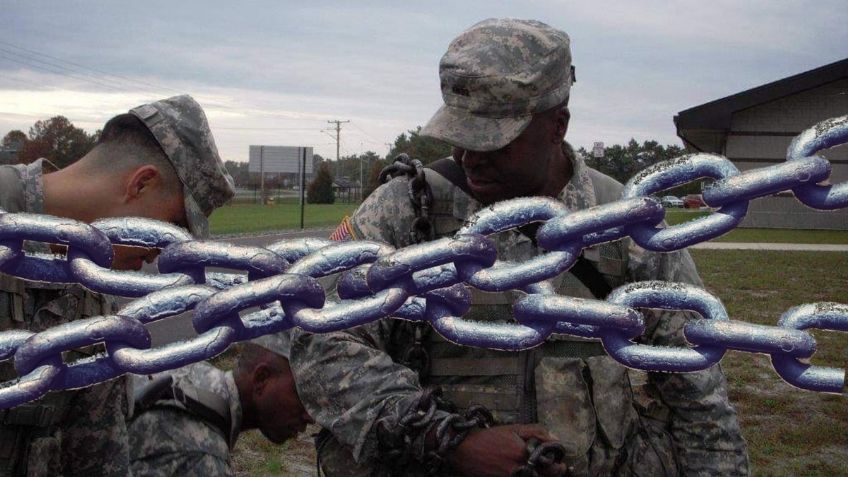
[273, 72]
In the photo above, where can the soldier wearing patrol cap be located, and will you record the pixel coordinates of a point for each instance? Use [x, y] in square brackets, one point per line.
[186, 421]
[506, 85]
[158, 161]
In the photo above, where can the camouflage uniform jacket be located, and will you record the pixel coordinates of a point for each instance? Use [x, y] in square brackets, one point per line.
[87, 435]
[349, 379]
[166, 439]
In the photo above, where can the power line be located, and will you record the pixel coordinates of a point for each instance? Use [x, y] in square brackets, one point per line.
[58, 72]
[155, 88]
[24, 59]
[18, 80]
[375, 141]
[266, 129]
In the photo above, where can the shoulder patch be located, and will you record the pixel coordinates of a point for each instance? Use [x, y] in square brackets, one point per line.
[344, 232]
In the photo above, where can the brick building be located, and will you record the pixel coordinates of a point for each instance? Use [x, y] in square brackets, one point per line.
[754, 128]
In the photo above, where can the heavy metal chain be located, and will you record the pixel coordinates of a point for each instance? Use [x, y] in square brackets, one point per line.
[415, 357]
[420, 195]
[542, 455]
[396, 437]
[425, 282]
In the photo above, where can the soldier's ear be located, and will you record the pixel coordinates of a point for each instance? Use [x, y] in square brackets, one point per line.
[141, 180]
[563, 116]
[261, 376]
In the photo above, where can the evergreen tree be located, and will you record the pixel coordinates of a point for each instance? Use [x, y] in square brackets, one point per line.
[320, 190]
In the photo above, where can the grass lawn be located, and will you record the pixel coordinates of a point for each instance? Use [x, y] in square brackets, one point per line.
[789, 431]
[250, 218]
[676, 216]
[253, 218]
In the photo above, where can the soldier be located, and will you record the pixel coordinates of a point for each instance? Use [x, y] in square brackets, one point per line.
[506, 85]
[158, 161]
[186, 422]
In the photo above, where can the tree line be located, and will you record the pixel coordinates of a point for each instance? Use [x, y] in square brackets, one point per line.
[58, 140]
[55, 139]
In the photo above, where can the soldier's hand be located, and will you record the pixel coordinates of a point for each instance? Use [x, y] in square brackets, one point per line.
[498, 451]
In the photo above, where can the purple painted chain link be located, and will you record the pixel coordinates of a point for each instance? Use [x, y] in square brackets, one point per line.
[427, 282]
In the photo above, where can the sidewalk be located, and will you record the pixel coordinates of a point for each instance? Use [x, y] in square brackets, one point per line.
[789, 247]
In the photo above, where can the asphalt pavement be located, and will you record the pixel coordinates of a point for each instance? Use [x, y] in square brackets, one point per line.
[788, 247]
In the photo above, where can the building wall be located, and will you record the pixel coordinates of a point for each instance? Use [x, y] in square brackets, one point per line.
[759, 137]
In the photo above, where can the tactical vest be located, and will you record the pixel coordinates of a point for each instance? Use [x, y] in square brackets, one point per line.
[568, 384]
[27, 432]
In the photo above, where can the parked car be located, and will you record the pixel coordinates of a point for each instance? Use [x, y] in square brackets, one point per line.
[694, 201]
[671, 201]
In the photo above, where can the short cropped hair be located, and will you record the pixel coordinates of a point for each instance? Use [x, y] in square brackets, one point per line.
[126, 142]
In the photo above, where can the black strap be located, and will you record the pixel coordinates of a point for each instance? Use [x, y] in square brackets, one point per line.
[583, 269]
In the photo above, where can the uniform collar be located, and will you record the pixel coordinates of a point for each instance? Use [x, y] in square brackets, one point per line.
[32, 176]
[578, 193]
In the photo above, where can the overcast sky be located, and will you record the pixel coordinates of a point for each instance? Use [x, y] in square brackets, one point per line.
[274, 72]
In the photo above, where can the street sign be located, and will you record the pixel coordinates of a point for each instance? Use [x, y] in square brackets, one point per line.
[598, 150]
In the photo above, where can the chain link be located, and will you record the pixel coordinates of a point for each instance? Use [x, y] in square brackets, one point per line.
[416, 356]
[427, 282]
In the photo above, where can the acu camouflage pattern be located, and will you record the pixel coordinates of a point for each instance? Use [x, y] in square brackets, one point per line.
[87, 435]
[612, 420]
[168, 440]
[180, 127]
[494, 76]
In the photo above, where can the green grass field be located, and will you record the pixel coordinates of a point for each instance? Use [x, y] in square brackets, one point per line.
[676, 216]
[253, 218]
[789, 431]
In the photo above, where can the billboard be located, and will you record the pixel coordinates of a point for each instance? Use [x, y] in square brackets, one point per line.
[277, 159]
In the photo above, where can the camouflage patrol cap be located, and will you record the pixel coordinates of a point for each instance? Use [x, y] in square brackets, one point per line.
[494, 77]
[180, 127]
[279, 343]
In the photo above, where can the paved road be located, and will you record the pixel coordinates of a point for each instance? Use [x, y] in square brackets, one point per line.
[180, 327]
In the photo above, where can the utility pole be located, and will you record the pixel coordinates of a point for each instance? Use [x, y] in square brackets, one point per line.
[262, 175]
[338, 138]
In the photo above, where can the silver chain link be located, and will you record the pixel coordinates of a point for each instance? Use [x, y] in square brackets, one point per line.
[427, 282]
